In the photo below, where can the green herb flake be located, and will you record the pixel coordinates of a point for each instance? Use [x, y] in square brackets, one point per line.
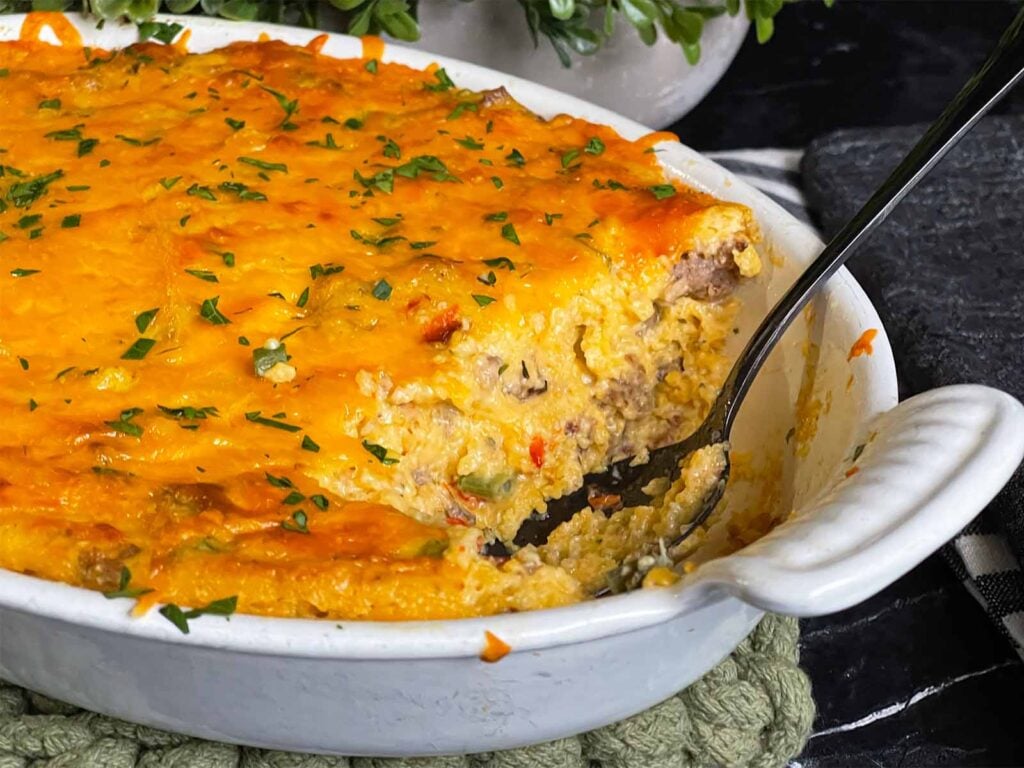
[188, 412]
[387, 222]
[24, 193]
[123, 590]
[497, 182]
[499, 216]
[136, 142]
[384, 181]
[49, 104]
[469, 143]
[320, 501]
[197, 190]
[143, 319]
[308, 444]
[661, 191]
[224, 607]
[203, 274]
[263, 358]
[169, 181]
[353, 123]
[380, 453]
[297, 522]
[485, 486]
[489, 279]
[549, 218]
[23, 363]
[139, 349]
[72, 221]
[125, 424]
[568, 157]
[85, 146]
[323, 270]
[255, 418]
[209, 312]
[443, 83]
[165, 32]
[515, 158]
[235, 125]
[20, 272]
[279, 482]
[461, 108]
[482, 300]
[28, 221]
[303, 298]
[594, 147]
[382, 290]
[288, 106]
[228, 258]
[32, 405]
[501, 263]
[508, 231]
[263, 164]
[371, 66]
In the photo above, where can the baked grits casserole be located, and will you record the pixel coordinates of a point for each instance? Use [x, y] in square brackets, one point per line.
[299, 335]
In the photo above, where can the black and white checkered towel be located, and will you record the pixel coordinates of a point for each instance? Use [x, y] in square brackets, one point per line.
[946, 274]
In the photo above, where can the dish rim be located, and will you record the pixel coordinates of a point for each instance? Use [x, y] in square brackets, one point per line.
[445, 638]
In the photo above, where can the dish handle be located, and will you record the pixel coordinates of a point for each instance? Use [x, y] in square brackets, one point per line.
[930, 466]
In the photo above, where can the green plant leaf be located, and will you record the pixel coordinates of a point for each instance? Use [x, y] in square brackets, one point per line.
[181, 6]
[562, 9]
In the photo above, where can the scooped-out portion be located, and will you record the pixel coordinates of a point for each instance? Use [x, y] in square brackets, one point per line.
[297, 336]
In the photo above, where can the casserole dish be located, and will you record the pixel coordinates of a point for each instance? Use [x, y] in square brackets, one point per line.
[863, 517]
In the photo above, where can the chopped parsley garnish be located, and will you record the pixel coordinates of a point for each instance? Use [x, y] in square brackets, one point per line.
[549, 218]
[427, 164]
[24, 193]
[255, 418]
[19, 272]
[323, 270]
[289, 106]
[139, 349]
[485, 486]
[382, 290]
[209, 312]
[499, 216]
[125, 424]
[371, 66]
[169, 182]
[228, 258]
[264, 358]
[159, 30]
[489, 279]
[203, 274]
[501, 263]
[279, 482]
[303, 298]
[28, 221]
[497, 182]
[188, 412]
[320, 501]
[49, 104]
[78, 188]
[242, 190]
[353, 123]
[508, 231]
[327, 143]
[136, 142]
[382, 180]
[482, 300]
[594, 147]
[236, 125]
[461, 107]
[469, 143]
[85, 146]
[515, 157]
[179, 618]
[66, 134]
[297, 522]
[308, 444]
[72, 221]
[294, 498]
[387, 222]
[568, 157]
[197, 190]
[123, 590]
[661, 191]
[32, 404]
[23, 363]
[143, 319]
[419, 245]
[379, 242]
[380, 453]
[391, 149]
[443, 81]
[263, 165]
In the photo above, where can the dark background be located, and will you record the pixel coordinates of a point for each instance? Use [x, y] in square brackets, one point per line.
[918, 675]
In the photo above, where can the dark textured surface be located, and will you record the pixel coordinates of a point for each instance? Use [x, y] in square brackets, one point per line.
[945, 273]
[916, 676]
[946, 270]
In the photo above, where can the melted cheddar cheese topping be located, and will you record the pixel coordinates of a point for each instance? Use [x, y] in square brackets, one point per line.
[209, 263]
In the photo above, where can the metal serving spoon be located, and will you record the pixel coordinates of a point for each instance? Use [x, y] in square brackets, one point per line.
[1003, 69]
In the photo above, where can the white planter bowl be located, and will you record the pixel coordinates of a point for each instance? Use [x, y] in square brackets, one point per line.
[654, 85]
[420, 688]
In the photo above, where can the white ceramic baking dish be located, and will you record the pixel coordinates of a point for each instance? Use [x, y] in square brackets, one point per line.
[420, 688]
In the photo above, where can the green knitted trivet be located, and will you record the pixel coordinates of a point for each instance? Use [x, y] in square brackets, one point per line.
[754, 709]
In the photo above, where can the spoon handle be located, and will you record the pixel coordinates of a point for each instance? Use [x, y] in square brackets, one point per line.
[1001, 71]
